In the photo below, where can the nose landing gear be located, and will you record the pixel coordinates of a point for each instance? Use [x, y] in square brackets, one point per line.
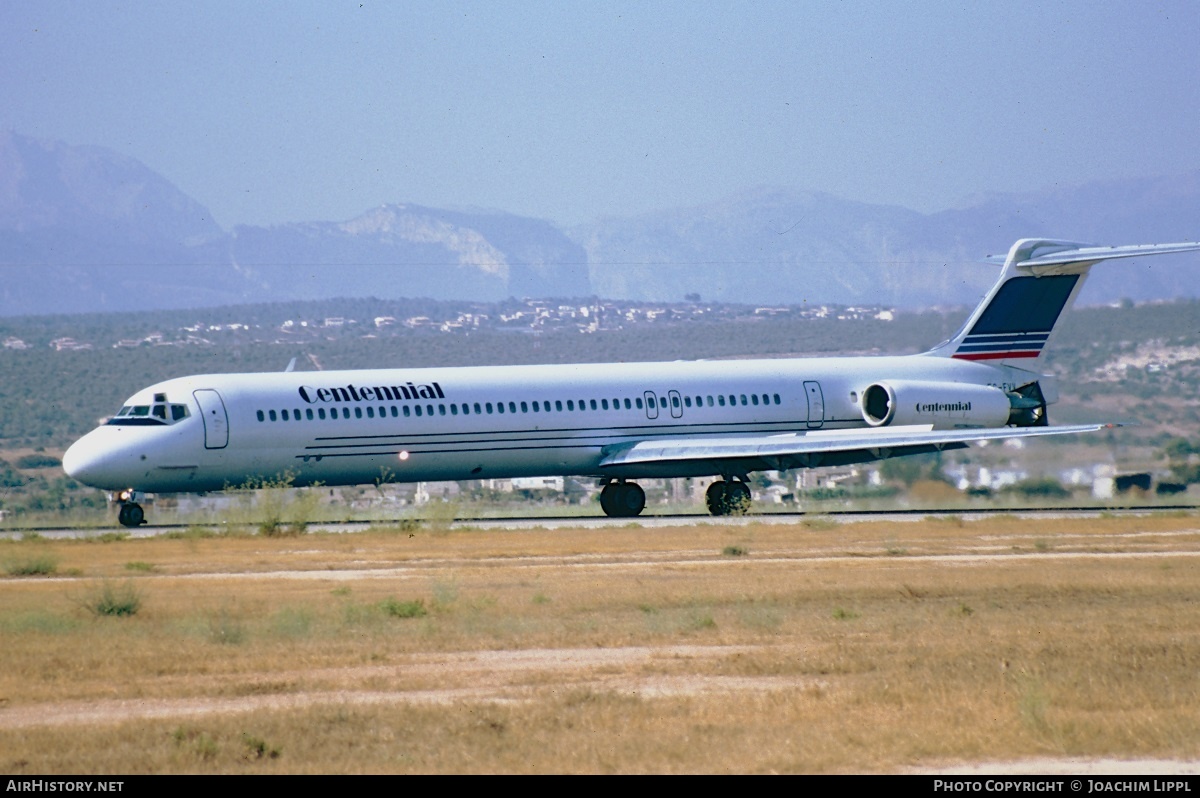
[622, 499]
[131, 514]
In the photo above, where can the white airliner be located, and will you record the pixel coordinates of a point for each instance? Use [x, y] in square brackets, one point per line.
[616, 422]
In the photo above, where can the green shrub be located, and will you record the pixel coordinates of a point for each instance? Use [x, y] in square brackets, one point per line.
[111, 600]
[33, 565]
[403, 609]
[38, 461]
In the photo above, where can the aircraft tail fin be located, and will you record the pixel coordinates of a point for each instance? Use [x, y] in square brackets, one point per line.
[1040, 279]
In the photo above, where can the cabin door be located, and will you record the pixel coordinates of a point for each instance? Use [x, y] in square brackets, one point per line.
[216, 421]
[816, 404]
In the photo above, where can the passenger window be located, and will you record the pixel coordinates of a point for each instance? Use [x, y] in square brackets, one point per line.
[512, 407]
[732, 400]
[710, 401]
[358, 412]
[395, 414]
[593, 403]
[627, 403]
[638, 402]
[283, 414]
[308, 413]
[271, 414]
[370, 412]
[675, 401]
[776, 398]
[466, 409]
[407, 410]
[558, 405]
[489, 408]
[441, 410]
[753, 398]
[570, 404]
[721, 400]
[321, 413]
[261, 416]
[345, 412]
[418, 411]
[500, 407]
[453, 410]
[535, 406]
[687, 401]
[524, 407]
[604, 404]
[477, 410]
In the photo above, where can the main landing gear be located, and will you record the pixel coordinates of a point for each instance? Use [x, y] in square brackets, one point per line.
[622, 499]
[727, 497]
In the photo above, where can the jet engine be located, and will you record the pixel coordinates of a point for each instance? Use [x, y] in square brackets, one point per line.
[945, 405]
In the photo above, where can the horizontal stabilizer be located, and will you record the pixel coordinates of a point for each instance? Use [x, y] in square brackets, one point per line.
[1041, 257]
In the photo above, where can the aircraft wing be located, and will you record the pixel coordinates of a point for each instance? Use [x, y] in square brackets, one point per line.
[816, 447]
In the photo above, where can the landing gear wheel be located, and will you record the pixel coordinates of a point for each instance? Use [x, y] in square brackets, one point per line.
[738, 497]
[622, 499]
[131, 514]
[631, 500]
[606, 499]
[714, 497]
[727, 498]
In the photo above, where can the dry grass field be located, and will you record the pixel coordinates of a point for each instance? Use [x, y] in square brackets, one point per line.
[810, 647]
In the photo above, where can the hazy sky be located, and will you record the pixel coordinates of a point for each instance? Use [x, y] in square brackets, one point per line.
[298, 111]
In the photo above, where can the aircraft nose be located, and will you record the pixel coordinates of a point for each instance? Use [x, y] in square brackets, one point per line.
[84, 461]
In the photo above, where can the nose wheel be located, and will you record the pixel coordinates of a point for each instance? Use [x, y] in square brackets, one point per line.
[622, 499]
[131, 514]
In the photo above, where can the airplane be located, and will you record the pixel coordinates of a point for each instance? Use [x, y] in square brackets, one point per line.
[616, 422]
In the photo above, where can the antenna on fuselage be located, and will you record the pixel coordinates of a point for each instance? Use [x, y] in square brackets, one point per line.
[291, 365]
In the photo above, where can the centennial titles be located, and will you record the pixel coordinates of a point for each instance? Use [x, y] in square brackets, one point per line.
[376, 393]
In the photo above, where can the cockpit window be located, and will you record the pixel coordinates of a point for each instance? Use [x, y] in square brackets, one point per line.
[161, 413]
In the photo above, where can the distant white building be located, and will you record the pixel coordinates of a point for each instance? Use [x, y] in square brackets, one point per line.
[537, 483]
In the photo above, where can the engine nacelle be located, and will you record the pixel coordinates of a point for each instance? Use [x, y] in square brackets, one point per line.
[945, 405]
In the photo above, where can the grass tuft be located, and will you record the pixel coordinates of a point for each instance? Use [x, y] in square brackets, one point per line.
[114, 601]
[33, 565]
[257, 748]
[735, 551]
[403, 609]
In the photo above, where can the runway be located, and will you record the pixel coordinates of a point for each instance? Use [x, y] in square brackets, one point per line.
[648, 521]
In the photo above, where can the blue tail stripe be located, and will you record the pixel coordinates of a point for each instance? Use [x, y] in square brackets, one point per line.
[1026, 304]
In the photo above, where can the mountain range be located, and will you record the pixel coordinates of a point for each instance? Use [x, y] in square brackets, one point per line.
[85, 229]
